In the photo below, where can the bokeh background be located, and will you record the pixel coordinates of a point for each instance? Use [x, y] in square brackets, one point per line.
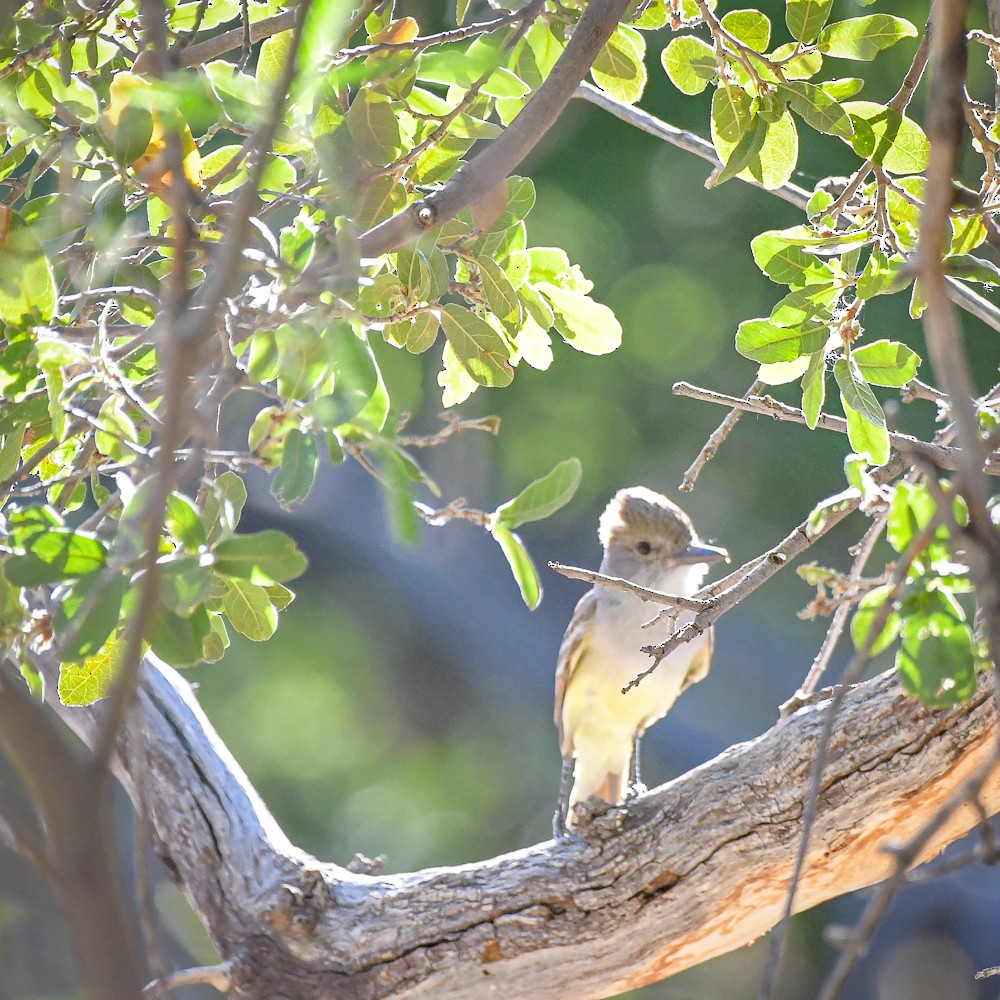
[405, 706]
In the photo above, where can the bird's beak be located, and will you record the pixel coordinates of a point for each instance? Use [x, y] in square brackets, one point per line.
[699, 552]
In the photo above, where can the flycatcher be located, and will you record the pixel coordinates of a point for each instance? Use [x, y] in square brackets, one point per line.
[650, 541]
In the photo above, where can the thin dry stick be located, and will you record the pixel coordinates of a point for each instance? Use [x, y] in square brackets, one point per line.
[776, 952]
[715, 441]
[617, 583]
[836, 629]
[768, 406]
[219, 976]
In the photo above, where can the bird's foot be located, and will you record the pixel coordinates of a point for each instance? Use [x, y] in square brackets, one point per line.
[634, 791]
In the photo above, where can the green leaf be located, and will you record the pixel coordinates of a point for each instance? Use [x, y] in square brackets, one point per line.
[764, 342]
[690, 63]
[863, 38]
[805, 18]
[814, 388]
[882, 275]
[184, 584]
[177, 639]
[250, 610]
[183, 521]
[271, 60]
[866, 427]
[773, 164]
[520, 564]
[382, 198]
[857, 394]
[543, 497]
[481, 350]
[912, 508]
[299, 462]
[584, 324]
[263, 557]
[936, 661]
[55, 554]
[87, 682]
[374, 127]
[87, 614]
[868, 439]
[745, 152]
[238, 93]
[216, 642]
[751, 27]
[115, 430]
[780, 256]
[520, 200]
[886, 362]
[619, 69]
[223, 506]
[457, 384]
[970, 268]
[886, 137]
[864, 620]
[500, 295]
[803, 304]
[817, 109]
[27, 283]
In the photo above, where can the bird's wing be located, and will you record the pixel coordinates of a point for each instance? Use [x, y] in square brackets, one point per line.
[700, 663]
[571, 651]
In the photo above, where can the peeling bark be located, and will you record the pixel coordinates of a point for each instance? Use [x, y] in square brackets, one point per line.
[695, 868]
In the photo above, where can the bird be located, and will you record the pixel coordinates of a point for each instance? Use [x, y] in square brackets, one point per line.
[650, 541]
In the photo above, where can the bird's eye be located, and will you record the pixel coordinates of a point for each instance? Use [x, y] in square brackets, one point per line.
[643, 548]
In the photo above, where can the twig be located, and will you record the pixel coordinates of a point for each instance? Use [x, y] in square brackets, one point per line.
[715, 441]
[453, 425]
[959, 292]
[644, 593]
[851, 674]
[218, 976]
[945, 458]
[453, 511]
[836, 629]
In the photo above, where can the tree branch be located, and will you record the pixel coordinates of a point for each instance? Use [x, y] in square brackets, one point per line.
[694, 869]
[959, 292]
[501, 157]
[768, 406]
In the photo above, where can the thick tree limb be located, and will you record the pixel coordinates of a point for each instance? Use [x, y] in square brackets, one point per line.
[696, 868]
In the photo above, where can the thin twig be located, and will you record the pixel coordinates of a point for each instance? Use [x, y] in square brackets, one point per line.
[626, 586]
[836, 629]
[715, 441]
[853, 672]
[218, 976]
[768, 406]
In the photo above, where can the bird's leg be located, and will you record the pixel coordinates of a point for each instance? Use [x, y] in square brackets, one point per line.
[559, 819]
[635, 785]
